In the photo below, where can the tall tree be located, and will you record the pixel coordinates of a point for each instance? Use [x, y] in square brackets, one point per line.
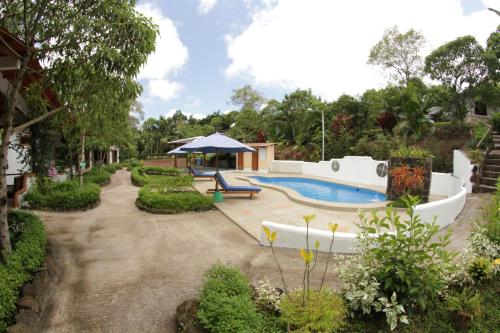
[87, 46]
[459, 65]
[399, 54]
[248, 98]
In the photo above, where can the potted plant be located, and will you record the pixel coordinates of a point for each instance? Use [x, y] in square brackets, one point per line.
[409, 172]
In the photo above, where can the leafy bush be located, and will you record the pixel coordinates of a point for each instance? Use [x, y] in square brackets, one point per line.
[449, 129]
[27, 256]
[466, 302]
[112, 168]
[152, 198]
[267, 297]
[132, 163]
[405, 264]
[481, 269]
[324, 312]
[496, 121]
[97, 175]
[479, 130]
[405, 257]
[152, 170]
[378, 148]
[226, 304]
[67, 195]
[414, 152]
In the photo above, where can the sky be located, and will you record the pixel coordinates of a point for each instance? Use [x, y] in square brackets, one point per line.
[208, 48]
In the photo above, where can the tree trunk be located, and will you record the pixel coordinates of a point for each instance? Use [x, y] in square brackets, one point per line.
[5, 246]
[82, 157]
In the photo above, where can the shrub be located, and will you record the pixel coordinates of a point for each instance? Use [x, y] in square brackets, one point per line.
[152, 170]
[479, 130]
[267, 297]
[155, 200]
[481, 269]
[496, 121]
[408, 260]
[112, 168]
[133, 163]
[387, 121]
[98, 175]
[225, 302]
[325, 311]
[414, 152]
[379, 148]
[67, 195]
[27, 256]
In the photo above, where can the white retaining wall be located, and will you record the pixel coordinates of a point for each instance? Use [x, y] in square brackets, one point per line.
[290, 236]
[462, 168]
[357, 169]
[362, 169]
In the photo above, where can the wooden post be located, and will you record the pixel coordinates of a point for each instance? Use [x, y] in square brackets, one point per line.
[175, 160]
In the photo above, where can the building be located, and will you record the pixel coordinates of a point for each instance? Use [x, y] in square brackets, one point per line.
[260, 160]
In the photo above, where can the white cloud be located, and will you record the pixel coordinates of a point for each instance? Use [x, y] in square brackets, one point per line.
[324, 45]
[170, 56]
[164, 89]
[205, 6]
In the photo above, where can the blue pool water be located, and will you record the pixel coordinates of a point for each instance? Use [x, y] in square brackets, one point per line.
[325, 191]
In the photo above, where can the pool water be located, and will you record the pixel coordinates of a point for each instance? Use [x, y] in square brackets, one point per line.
[324, 190]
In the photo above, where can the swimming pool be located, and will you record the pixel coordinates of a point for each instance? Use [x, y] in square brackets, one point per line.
[324, 190]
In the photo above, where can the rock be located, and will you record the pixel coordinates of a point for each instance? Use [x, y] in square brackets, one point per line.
[28, 302]
[185, 314]
[28, 290]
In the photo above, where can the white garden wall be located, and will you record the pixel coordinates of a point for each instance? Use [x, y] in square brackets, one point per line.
[294, 237]
[462, 168]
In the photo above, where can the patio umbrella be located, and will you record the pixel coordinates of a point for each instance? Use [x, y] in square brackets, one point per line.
[216, 143]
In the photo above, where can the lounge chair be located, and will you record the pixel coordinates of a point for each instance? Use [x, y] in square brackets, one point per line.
[228, 189]
[200, 174]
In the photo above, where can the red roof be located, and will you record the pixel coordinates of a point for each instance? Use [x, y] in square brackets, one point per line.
[20, 48]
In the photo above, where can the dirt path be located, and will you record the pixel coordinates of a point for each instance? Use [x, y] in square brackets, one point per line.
[127, 270]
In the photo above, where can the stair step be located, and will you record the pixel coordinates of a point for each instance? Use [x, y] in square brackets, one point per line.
[488, 181]
[492, 167]
[491, 174]
[487, 189]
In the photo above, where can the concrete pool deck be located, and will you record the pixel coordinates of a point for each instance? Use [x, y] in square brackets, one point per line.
[275, 206]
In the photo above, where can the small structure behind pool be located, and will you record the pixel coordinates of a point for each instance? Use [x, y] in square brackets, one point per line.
[365, 170]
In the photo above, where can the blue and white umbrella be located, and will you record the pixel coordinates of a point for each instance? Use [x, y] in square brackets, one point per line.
[216, 143]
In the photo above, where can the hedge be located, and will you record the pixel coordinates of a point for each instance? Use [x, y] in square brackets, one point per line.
[112, 168]
[26, 258]
[67, 195]
[146, 175]
[172, 200]
[226, 302]
[152, 170]
[98, 175]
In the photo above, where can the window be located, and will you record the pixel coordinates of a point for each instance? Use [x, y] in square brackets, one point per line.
[262, 154]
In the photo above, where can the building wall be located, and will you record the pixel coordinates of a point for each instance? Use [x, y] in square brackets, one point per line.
[14, 159]
[247, 161]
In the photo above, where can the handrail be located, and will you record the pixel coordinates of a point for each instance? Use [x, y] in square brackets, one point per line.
[485, 134]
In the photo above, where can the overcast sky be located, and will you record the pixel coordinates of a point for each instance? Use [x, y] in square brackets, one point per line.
[207, 48]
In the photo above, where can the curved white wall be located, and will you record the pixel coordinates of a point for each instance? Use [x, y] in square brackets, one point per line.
[290, 236]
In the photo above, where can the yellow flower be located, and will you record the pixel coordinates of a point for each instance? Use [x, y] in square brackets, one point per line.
[333, 227]
[308, 218]
[271, 236]
[497, 261]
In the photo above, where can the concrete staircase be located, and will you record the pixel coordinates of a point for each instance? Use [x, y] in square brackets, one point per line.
[491, 170]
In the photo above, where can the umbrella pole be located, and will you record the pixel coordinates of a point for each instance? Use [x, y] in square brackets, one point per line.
[217, 168]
